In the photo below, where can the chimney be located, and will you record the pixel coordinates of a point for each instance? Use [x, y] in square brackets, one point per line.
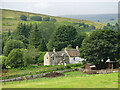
[77, 48]
[54, 50]
[65, 49]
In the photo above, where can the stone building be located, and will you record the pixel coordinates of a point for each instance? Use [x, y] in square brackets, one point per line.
[68, 56]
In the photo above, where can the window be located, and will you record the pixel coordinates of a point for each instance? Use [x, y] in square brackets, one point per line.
[74, 58]
[53, 58]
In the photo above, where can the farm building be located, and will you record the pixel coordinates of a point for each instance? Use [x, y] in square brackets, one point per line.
[106, 65]
[63, 57]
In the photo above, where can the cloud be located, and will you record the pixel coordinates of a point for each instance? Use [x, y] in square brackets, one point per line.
[41, 5]
[59, 0]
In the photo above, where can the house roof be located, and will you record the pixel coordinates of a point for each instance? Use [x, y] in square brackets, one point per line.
[67, 52]
[73, 52]
[58, 53]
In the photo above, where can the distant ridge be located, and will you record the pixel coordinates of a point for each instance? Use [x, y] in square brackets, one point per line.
[94, 17]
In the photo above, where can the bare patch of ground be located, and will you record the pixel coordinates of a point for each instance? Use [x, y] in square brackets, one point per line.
[54, 74]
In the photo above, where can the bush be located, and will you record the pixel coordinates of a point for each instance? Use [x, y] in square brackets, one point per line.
[36, 18]
[23, 17]
[74, 65]
[53, 20]
[46, 18]
[4, 58]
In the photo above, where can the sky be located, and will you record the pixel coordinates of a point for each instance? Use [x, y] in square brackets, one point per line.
[62, 7]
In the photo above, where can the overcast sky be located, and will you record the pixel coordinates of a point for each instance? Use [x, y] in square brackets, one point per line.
[63, 7]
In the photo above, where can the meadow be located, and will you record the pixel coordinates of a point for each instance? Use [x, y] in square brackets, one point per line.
[70, 80]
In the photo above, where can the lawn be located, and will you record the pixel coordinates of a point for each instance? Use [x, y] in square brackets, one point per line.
[72, 80]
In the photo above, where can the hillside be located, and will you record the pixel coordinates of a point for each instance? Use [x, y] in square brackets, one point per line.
[10, 19]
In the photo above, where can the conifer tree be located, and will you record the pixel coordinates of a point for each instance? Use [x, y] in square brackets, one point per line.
[35, 37]
[42, 46]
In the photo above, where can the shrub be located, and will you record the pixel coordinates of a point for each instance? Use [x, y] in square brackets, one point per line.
[23, 17]
[36, 18]
[46, 18]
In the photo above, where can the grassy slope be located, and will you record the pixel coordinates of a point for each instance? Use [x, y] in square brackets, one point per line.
[11, 24]
[73, 80]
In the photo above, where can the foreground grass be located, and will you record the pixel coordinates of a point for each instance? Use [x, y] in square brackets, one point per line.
[73, 80]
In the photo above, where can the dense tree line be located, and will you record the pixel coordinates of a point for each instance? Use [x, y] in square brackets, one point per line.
[22, 46]
[29, 42]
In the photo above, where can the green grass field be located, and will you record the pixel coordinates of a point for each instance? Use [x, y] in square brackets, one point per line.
[72, 80]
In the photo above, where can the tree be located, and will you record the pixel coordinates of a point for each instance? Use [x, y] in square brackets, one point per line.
[47, 29]
[15, 59]
[42, 46]
[23, 17]
[101, 45]
[46, 18]
[108, 24]
[41, 57]
[36, 18]
[35, 37]
[4, 58]
[11, 44]
[23, 29]
[9, 33]
[116, 28]
[23, 39]
[27, 57]
[53, 20]
[79, 39]
[62, 37]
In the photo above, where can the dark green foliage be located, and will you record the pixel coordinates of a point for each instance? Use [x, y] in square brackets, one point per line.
[36, 18]
[11, 44]
[101, 45]
[27, 57]
[84, 27]
[23, 39]
[35, 37]
[79, 39]
[53, 20]
[42, 46]
[4, 58]
[23, 29]
[23, 17]
[69, 66]
[41, 57]
[62, 37]
[9, 33]
[46, 18]
[108, 24]
[15, 59]
[47, 29]
[112, 27]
